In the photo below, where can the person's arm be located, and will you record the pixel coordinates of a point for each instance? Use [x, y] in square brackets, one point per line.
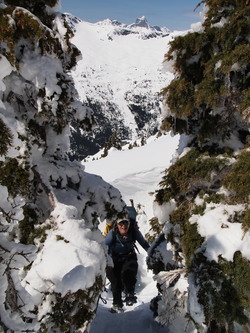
[141, 240]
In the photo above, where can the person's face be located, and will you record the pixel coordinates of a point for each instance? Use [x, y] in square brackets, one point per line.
[123, 226]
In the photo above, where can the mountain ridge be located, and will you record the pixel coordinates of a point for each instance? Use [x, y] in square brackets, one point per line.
[140, 27]
[140, 22]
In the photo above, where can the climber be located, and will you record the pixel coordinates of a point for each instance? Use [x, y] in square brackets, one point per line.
[122, 276]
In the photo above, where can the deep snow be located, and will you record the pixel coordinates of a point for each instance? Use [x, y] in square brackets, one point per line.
[136, 173]
[115, 68]
[75, 262]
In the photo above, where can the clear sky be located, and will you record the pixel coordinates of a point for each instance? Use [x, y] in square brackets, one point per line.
[173, 14]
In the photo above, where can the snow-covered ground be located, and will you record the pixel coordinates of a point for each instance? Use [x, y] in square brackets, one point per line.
[137, 319]
[135, 173]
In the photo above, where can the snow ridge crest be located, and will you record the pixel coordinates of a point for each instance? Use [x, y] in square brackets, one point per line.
[140, 27]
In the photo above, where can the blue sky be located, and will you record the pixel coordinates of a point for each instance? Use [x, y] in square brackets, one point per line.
[173, 14]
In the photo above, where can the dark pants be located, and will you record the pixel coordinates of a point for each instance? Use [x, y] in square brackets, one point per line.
[123, 276]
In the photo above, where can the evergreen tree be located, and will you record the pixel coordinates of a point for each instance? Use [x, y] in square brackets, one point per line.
[210, 96]
[114, 141]
[38, 104]
[209, 101]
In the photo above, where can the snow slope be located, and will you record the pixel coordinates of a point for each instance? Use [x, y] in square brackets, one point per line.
[123, 59]
[135, 173]
[120, 77]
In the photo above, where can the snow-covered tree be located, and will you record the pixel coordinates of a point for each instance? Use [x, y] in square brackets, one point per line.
[52, 259]
[202, 205]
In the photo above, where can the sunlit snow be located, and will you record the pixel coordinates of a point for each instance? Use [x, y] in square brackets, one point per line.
[72, 255]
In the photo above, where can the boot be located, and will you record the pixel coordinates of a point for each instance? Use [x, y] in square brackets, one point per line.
[130, 299]
[117, 308]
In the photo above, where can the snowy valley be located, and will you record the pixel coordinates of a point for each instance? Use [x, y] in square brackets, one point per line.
[120, 77]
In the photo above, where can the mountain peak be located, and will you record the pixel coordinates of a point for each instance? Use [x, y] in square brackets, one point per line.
[109, 22]
[141, 22]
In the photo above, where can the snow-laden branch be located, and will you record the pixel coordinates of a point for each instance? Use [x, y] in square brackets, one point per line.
[166, 278]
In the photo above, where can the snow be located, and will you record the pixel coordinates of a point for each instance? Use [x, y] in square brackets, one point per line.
[134, 181]
[197, 27]
[222, 237]
[136, 175]
[136, 320]
[114, 66]
[42, 72]
[133, 161]
[73, 254]
[5, 69]
[133, 173]
[71, 276]
[162, 212]
[220, 24]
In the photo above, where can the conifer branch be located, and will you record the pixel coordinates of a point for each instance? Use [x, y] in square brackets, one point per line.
[166, 278]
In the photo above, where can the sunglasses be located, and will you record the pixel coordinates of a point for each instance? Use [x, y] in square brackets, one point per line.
[124, 222]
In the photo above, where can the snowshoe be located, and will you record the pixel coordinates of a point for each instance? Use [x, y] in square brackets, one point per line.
[130, 299]
[116, 309]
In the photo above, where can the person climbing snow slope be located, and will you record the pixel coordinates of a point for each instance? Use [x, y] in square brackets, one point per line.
[121, 247]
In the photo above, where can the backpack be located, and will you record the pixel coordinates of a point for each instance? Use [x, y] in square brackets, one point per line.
[131, 212]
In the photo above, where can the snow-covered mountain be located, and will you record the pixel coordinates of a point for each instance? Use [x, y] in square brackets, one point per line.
[119, 77]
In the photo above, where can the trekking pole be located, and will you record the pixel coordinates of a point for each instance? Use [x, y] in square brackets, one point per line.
[104, 301]
[136, 248]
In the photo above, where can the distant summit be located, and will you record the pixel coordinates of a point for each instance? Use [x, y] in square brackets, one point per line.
[141, 28]
[140, 22]
[141, 25]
